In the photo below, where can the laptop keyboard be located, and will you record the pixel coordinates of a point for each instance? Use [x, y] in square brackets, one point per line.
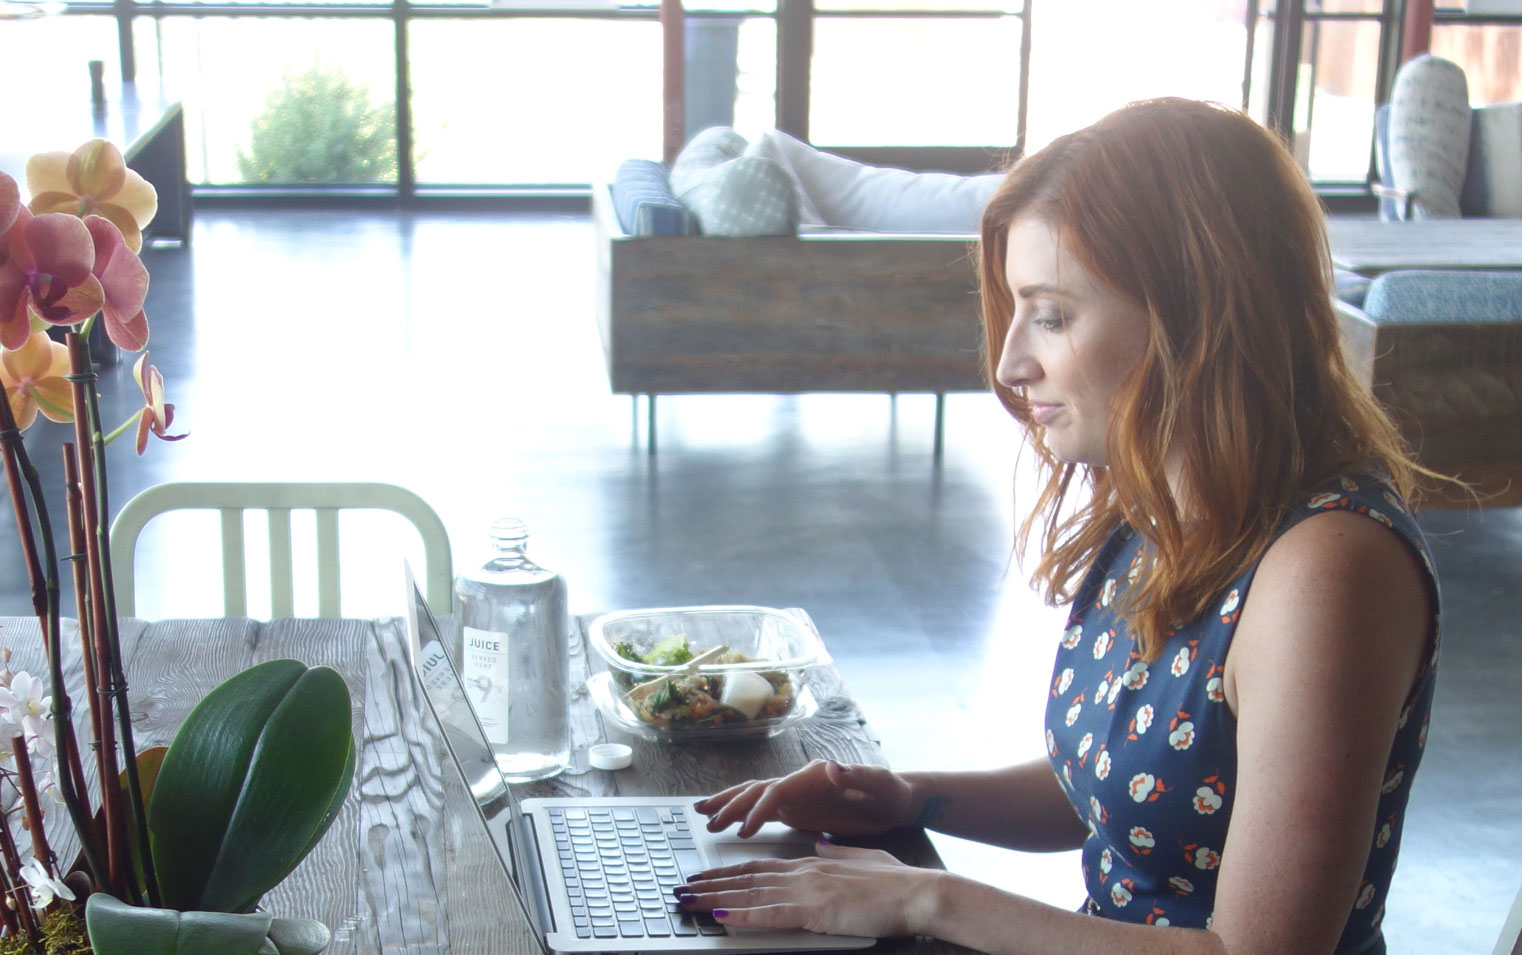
[620, 865]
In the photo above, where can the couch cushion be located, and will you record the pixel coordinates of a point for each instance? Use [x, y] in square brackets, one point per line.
[1429, 135]
[1493, 183]
[1422, 296]
[644, 202]
[843, 194]
[730, 193]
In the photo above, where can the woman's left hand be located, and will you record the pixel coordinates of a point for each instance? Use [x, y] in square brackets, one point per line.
[841, 891]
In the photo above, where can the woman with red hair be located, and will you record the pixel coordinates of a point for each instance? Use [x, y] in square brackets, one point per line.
[1240, 699]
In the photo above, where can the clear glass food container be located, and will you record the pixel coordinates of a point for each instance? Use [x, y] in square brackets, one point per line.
[652, 652]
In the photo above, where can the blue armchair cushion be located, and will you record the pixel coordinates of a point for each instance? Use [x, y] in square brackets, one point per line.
[1421, 296]
[644, 202]
[1493, 184]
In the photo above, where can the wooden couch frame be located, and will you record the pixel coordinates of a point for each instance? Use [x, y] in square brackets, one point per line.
[817, 312]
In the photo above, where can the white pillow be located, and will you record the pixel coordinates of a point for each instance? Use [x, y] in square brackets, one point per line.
[1429, 135]
[733, 194]
[843, 194]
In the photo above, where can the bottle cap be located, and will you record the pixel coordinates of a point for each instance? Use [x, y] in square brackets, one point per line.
[610, 756]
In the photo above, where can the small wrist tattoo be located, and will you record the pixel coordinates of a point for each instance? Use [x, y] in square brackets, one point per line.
[932, 812]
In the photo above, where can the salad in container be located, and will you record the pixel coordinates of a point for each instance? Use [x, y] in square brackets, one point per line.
[712, 672]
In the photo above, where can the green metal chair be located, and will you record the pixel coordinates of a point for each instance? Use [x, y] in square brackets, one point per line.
[279, 500]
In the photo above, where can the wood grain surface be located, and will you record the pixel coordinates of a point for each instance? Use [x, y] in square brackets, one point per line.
[408, 865]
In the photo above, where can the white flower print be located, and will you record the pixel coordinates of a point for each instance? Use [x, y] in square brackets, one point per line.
[1120, 895]
[1065, 681]
[1347, 484]
[1206, 801]
[1102, 690]
[1141, 786]
[1108, 593]
[1324, 500]
[1180, 662]
[1229, 607]
[1365, 897]
[1105, 862]
[1379, 917]
[1073, 712]
[1051, 741]
[1096, 811]
[1102, 765]
[1183, 737]
[1206, 859]
[1181, 884]
[1215, 690]
[1380, 517]
[1405, 716]
[1071, 638]
[1084, 744]
[1384, 837]
[1394, 501]
[1421, 736]
[1141, 837]
[1144, 719]
[1114, 691]
[1136, 675]
[1162, 921]
[1102, 644]
[1392, 782]
[1067, 774]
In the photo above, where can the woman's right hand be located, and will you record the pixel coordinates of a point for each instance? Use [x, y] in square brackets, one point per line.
[820, 797]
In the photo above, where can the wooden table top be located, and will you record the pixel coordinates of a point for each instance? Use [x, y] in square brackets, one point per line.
[1370, 246]
[407, 866]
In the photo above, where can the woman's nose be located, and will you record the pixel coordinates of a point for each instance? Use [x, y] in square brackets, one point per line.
[1016, 368]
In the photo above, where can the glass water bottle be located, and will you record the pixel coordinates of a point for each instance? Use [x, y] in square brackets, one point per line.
[513, 652]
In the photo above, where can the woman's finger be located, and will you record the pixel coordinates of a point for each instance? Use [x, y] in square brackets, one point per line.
[782, 915]
[739, 806]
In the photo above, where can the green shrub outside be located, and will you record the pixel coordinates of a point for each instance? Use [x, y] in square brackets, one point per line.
[320, 127]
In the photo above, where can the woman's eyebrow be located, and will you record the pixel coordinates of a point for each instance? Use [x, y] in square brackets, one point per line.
[1041, 288]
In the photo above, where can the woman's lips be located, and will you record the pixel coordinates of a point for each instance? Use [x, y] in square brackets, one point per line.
[1043, 413]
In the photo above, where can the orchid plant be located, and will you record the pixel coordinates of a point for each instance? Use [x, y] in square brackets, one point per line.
[69, 258]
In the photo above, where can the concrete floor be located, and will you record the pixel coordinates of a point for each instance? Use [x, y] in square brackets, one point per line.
[457, 355]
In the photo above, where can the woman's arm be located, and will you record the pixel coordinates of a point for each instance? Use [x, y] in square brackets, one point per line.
[1020, 807]
[1326, 652]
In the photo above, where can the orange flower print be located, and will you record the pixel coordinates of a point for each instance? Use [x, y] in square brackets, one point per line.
[1103, 643]
[1392, 781]
[1182, 736]
[1421, 736]
[1204, 859]
[1206, 801]
[1181, 661]
[1379, 916]
[1144, 787]
[1106, 862]
[1142, 839]
[1107, 593]
[1383, 839]
[1348, 484]
[1231, 606]
[1051, 743]
[1405, 716]
[1067, 774]
[1120, 893]
[1158, 917]
[1097, 814]
[1215, 690]
[1083, 747]
[1394, 501]
[1324, 501]
[1114, 692]
[1065, 680]
[1071, 638]
[1379, 517]
[1181, 885]
[1135, 676]
[1102, 765]
[1144, 718]
[1074, 710]
[1365, 896]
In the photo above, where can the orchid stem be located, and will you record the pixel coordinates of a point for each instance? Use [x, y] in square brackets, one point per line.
[121, 429]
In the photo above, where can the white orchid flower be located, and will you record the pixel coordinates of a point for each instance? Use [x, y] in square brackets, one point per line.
[22, 702]
[44, 887]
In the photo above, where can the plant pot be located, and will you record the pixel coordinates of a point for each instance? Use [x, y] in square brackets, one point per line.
[117, 928]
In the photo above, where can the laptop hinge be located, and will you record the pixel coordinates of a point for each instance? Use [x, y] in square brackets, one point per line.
[528, 862]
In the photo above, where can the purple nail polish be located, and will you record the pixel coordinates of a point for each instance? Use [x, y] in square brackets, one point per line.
[824, 842]
[697, 877]
[683, 893]
[721, 913]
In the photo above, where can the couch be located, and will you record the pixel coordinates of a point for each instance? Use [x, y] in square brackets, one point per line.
[1443, 351]
[777, 303]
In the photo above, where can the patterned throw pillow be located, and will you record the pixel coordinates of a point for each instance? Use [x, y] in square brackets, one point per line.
[730, 193]
[1429, 135]
[1493, 185]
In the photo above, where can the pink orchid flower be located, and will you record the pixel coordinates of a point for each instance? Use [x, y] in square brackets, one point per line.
[124, 280]
[93, 180]
[10, 205]
[156, 416]
[45, 269]
[34, 376]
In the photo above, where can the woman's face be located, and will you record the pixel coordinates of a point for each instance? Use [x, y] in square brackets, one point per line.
[1071, 343]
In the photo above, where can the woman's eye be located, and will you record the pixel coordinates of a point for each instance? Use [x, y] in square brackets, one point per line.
[1048, 321]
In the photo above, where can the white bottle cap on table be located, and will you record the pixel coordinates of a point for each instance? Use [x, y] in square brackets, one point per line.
[610, 756]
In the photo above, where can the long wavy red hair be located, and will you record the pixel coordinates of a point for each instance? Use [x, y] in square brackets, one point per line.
[1201, 217]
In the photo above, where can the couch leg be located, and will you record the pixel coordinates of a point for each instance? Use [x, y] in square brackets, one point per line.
[940, 424]
[650, 424]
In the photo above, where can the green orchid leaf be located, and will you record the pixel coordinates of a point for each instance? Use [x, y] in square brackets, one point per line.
[248, 785]
[299, 936]
[117, 928]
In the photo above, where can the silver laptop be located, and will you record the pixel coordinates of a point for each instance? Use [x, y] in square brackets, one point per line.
[595, 874]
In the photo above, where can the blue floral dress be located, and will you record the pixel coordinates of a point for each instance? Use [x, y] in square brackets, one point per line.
[1148, 753]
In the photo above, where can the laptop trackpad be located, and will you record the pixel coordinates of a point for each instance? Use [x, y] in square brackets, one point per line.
[730, 853]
